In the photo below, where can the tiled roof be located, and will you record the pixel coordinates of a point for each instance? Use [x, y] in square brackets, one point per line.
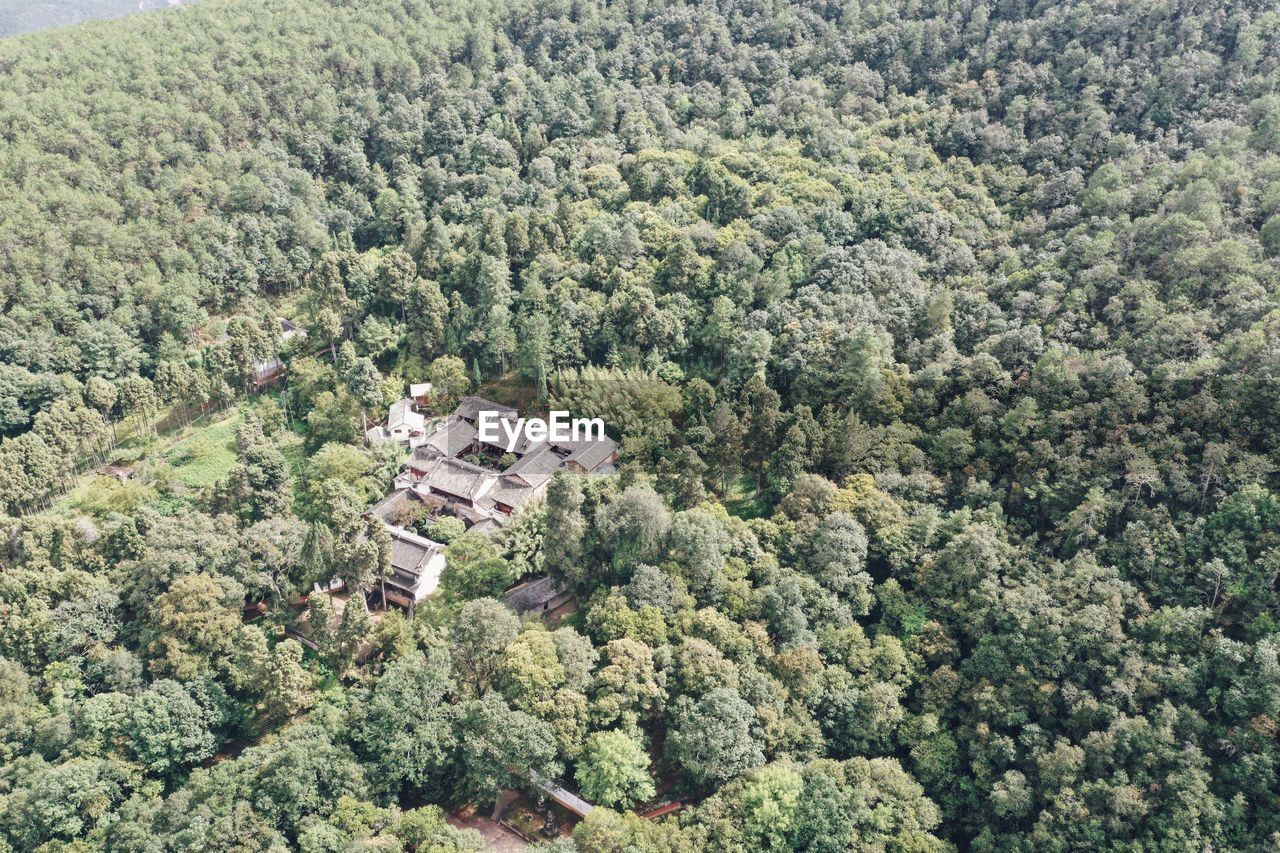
[439, 477]
[390, 504]
[265, 367]
[536, 466]
[412, 561]
[522, 446]
[402, 414]
[510, 491]
[459, 478]
[485, 526]
[471, 407]
[589, 456]
[290, 330]
[409, 551]
[451, 438]
[531, 594]
[569, 800]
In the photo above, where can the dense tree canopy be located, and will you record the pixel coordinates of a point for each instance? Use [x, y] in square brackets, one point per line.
[941, 340]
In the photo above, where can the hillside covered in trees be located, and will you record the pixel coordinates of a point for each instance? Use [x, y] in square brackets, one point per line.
[942, 340]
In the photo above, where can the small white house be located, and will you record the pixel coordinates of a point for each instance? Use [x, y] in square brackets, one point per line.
[420, 393]
[406, 424]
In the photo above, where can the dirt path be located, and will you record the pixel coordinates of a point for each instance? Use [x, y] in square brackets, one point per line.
[496, 838]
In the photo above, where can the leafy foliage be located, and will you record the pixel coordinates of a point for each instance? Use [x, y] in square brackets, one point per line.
[941, 340]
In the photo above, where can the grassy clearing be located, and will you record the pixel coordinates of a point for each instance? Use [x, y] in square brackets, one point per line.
[294, 451]
[100, 496]
[204, 452]
[194, 457]
[512, 389]
[171, 467]
[742, 499]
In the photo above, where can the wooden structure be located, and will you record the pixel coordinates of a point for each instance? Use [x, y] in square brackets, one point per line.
[420, 393]
[119, 471]
[664, 809]
[416, 566]
[406, 424]
[540, 595]
[266, 371]
[442, 473]
[559, 795]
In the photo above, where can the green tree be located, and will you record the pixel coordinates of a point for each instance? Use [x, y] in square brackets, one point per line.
[427, 313]
[530, 670]
[562, 544]
[405, 727]
[712, 738]
[627, 687]
[333, 418]
[172, 726]
[500, 746]
[364, 383]
[614, 770]
[194, 626]
[481, 634]
[474, 569]
[449, 381]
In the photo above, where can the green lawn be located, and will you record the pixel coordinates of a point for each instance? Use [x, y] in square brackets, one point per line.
[171, 467]
[195, 456]
[204, 452]
[742, 499]
[100, 496]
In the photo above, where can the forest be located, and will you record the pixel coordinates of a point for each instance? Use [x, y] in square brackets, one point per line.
[941, 338]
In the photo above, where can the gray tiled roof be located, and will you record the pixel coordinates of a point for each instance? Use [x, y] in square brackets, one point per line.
[522, 446]
[569, 800]
[265, 367]
[437, 475]
[471, 407]
[485, 526]
[458, 477]
[402, 413]
[536, 466]
[416, 562]
[451, 438]
[531, 594]
[593, 454]
[510, 491]
[290, 330]
[409, 551]
[391, 504]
